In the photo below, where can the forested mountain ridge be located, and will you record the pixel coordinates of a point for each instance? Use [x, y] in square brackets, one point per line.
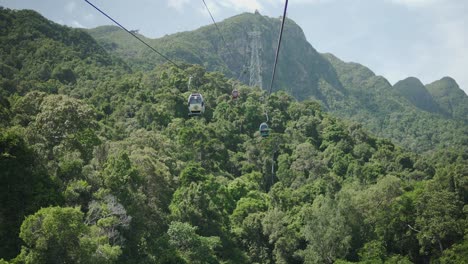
[107, 167]
[413, 90]
[350, 90]
[34, 36]
[450, 97]
[205, 47]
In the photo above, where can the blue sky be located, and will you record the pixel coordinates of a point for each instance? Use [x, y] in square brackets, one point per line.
[427, 39]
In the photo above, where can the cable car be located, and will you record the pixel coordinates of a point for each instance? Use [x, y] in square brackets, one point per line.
[235, 94]
[196, 105]
[264, 130]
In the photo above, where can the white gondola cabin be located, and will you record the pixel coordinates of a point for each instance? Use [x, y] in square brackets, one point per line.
[196, 105]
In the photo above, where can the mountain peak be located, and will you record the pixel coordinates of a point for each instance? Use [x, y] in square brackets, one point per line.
[413, 80]
[449, 80]
[414, 91]
[445, 86]
[450, 97]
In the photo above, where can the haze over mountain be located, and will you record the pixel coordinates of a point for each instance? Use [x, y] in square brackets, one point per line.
[350, 90]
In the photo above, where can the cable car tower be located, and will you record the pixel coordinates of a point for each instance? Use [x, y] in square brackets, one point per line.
[255, 63]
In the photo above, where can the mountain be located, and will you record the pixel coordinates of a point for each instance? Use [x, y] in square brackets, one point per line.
[450, 98]
[65, 54]
[414, 91]
[205, 47]
[389, 113]
[349, 90]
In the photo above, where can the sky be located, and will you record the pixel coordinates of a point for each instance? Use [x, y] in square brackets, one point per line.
[427, 39]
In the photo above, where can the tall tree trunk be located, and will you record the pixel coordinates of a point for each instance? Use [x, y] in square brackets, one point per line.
[440, 245]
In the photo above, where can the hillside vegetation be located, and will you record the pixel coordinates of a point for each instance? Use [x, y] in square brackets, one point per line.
[100, 163]
[420, 118]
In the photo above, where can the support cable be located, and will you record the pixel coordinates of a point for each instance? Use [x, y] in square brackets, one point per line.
[133, 34]
[271, 86]
[219, 31]
[278, 48]
[276, 57]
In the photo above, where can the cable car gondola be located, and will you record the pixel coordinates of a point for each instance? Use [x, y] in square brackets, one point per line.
[235, 94]
[196, 105]
[264, 130]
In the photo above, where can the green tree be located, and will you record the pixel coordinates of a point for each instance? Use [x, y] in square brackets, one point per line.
[58, 235]
[326, 232]
[25, 187]
[109, 216]
[282, 234]
[192, 247]
[203, 205]
[121, 177]
[456, 254]
[438, 220]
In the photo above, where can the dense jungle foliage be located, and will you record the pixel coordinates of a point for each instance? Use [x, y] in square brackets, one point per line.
[100, 163]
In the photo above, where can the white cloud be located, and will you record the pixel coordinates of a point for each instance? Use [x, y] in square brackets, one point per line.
[214, 9]
[311, 1]
[77, 24]
[219, 6]
[414, 3]
[241, 5]
[449, 53]
[455, 42]
[177, 4]
[70, 7]
[251, 5]
[88, 17]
